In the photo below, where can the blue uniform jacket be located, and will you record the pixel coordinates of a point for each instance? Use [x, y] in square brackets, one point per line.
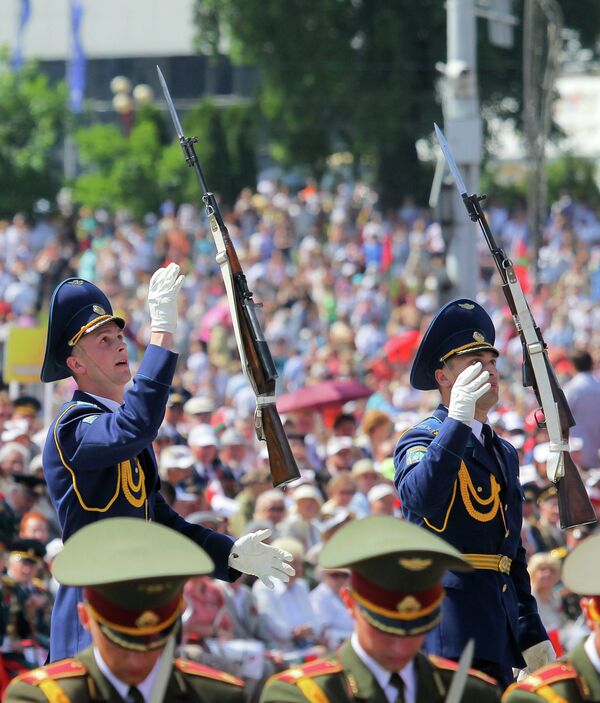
[100, 464]
[457, 504]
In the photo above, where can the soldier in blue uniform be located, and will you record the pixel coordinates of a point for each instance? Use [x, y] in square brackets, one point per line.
[458, 479]
[98, 458]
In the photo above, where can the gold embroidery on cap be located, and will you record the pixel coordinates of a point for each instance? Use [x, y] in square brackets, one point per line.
[76, 282]
[147, 619]
[415, 564]
[99, 310]
[409, 604]
[466, 306]
[478, 337]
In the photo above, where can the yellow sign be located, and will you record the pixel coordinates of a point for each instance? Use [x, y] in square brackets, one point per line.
[24, 354]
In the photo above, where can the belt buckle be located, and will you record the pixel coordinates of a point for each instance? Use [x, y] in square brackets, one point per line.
[504, 564]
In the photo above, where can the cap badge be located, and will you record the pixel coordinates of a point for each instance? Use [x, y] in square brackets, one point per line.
[415, 564]
[409, 604]
[99, 310]
[147, 619]
[466, 306]
[76, 282]
[478, 337]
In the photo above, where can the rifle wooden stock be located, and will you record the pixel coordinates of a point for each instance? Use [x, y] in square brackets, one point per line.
[573, 501]
[281, 460]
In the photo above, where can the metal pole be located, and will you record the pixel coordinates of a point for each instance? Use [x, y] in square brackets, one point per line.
[462, 126]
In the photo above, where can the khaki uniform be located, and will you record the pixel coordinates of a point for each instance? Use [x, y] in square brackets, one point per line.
[570, 680]
[344, 677]
[80, 680]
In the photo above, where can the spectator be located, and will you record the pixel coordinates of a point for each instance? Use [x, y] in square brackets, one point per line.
[269, 511]
[254, 482]
[365, 476]
[583, 395]
[335, 622]
[382, 499]
[302, 520]
[286, 612]
[546, 531]
[544, 571]
[340, 491]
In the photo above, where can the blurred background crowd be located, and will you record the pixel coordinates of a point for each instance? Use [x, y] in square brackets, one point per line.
[347, 291]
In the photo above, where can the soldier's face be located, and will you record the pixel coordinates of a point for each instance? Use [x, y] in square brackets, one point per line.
[456, 364]
[128, 666]
[389, 651]
[101, 358]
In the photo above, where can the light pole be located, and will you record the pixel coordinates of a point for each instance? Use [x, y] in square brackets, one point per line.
[126, 99]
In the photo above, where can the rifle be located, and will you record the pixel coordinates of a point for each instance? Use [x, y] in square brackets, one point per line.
[573, 501]
[257, 362]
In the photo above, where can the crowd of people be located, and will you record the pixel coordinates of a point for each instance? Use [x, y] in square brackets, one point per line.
[347, 292]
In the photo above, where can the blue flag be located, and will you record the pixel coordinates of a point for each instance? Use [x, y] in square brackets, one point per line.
[76, 67]
[16, 60]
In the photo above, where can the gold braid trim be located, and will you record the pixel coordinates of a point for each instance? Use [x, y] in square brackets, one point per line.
[53, 691]
[312, 691]
[128, 485]
[548, 694]
[70, 470]
[468, 493]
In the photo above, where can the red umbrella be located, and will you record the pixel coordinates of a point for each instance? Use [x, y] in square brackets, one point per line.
[401, 347]
[219, 314]
[322, 395]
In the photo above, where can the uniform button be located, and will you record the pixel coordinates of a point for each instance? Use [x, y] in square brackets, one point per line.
[479, 489]
[504, 588]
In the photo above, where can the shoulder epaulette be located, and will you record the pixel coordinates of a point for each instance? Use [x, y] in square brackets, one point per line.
[38, 583]
[450, 665]
[429, 423]
[319, 667]
[7, 581]
[63, 669]
[195, 669]
[546, 676]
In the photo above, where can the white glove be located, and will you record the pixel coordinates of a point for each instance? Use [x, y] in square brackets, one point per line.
[536, 656]
[162, 298]
[251, 556]
[468, 388]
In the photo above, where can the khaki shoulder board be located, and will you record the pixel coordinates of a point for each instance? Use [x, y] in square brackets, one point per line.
[38, 583]
[63, 669]
[450, 665]
[7, 581]
[195, 669]
[546, 676]
[319, 667]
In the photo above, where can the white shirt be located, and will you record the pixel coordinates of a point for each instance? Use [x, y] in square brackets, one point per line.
[590, 649]
[382, 676]
[145, 687]
[107, 402]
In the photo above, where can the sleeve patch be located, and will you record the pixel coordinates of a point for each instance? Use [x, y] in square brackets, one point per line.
[415, 454]
[90, 418]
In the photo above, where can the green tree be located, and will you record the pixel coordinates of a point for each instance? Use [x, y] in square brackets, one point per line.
[119, 171]
[225, 149]
[359, 76]
[32, 123]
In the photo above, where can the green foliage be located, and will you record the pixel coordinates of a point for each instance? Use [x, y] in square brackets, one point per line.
[32, 122]
[360, 76]
[225, 149]
[574, 175]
